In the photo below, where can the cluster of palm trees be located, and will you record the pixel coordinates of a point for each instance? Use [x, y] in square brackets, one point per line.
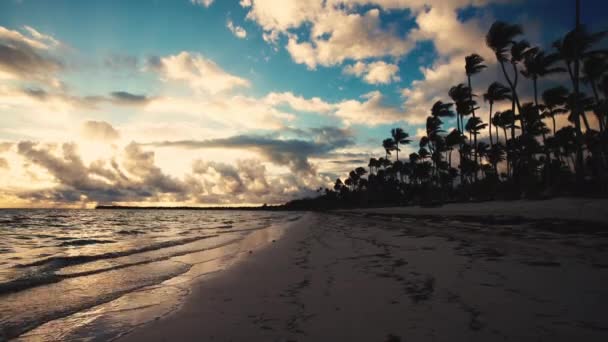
[523, 149]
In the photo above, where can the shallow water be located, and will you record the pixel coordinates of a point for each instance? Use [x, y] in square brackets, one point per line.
[66, 273]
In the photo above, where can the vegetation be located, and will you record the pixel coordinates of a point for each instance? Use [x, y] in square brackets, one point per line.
[525, 152]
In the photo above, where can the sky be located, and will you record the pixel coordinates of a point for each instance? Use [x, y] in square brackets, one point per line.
[230, 102]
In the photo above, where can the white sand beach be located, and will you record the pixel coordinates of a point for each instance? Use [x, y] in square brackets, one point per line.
[349, 276]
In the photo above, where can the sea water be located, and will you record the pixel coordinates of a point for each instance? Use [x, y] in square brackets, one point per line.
[97, 274]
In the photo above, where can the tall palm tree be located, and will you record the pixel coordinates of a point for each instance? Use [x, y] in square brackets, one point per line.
[574, 46]
[538, 64]
[399, 137]
[461, 95]
[388, 145]
[499, 38]
[496, 92]
[594, 68]
[473, 65]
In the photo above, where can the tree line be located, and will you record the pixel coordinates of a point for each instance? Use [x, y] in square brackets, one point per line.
[524, 151]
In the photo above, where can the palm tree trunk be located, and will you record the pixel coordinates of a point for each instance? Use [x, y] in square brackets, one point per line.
[516, 99]
[601, 116]
[397, 150]
[554, 125]
[490, 125]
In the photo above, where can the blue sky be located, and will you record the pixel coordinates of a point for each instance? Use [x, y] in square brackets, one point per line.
[331, 77]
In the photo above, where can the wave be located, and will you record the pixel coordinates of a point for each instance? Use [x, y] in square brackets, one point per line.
[84, 242]
[44, 269]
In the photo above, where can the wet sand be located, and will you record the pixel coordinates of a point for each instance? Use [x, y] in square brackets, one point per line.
[352, 276]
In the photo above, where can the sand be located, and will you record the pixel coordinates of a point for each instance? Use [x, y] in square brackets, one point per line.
[349, 276]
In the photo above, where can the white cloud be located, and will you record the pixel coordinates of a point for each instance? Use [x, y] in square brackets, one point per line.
[372, 111]
[315, 104]
[337, 36]
[99, 130]
[378, 72]
[205, 3]
[238, 31]
[200, 73]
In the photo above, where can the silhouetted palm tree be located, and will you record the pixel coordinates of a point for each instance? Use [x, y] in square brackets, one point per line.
[554, 100]
[594, 68]
[496, 92]
[473, 65]
[388, 145]
[399, 137]
[499, 38]
[537, 64]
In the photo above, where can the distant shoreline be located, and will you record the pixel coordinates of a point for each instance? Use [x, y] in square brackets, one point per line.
[123, 207]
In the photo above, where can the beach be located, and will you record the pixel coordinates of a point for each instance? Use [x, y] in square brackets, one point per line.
[373, 275]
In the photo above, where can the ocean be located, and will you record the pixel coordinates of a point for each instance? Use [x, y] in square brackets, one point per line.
[97, 274]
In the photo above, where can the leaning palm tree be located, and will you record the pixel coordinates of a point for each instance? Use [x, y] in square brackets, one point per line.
[594, 68]
[388, 145]
[496, 92]
[473, 65]
[399, 137]
[499, 38]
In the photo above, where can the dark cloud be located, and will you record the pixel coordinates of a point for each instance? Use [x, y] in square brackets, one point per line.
[99, 130]
[123, 97]
[117, 97]
[26, 58]
[293, 153]
[348, 161]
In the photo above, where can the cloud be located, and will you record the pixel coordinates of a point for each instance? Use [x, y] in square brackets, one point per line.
[134, 177]
[126, 98]
[238, 31]
[205, 3]
[4, 164]
[337, 36]
[200, 73]
[371, 111]
[293, 153]
[378, 72]
[314, 104]
[26, 56]
[99, 130]
[100, 181]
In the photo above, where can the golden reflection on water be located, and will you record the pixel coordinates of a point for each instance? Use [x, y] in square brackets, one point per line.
[107, 320]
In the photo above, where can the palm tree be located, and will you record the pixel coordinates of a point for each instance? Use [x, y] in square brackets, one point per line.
[373, 165]
[461, 95]
[496, 92]
[473, 65]
[399, 137]
[500, 36]
[389, 145]
[537, 64]
[574, 46]
[554, 100]
[453, 139]
[593, 69]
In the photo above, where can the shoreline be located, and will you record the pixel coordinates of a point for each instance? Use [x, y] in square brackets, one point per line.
[563, 208]
[421, 279]
[114, 313]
